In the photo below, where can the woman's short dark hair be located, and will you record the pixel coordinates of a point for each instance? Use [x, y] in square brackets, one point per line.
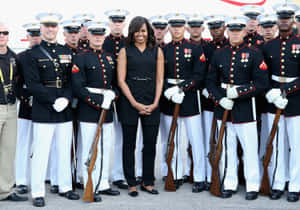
[134, 26]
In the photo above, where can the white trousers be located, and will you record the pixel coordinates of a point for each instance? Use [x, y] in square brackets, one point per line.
[23, 151]
[79, 176]
[207, 118]
[88, 131]
[285, 165]
[264, 135]
[53, 163]
[117, 170]
[43, 136]
[194, 134]
[247, 134]
[139, 150]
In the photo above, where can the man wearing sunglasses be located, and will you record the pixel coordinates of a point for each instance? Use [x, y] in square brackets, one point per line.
[8, 118]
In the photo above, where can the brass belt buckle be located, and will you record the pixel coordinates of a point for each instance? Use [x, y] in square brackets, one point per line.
[58, 83]
[282, 80]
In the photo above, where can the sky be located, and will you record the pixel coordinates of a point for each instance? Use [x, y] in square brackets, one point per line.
[16, 13]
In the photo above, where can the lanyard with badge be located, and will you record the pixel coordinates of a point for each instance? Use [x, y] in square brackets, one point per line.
[7, 87]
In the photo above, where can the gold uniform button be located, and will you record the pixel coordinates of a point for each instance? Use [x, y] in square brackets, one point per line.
[284, 43]
[102, 65]
[101, 60]
[282, 60]
[57, 77]
[282, 67]
[177, 58]
[232, 69]
[178, 76]
[105, 76]
[283, 48]
[53, 51]
[231, 75]
[117, 42]
[104, 70]
[218, 47]
[56, 69]
[233, 58]
[177, 64]
[232, 64]
[234, 52]
[231, 81]
[177, 53]
[282, 73]
[177, 70]
[282, 54]
[105, 82]
[177, 48]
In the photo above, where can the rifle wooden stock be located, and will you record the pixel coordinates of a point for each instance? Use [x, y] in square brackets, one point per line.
[191, 177]
[169, 184]
[215, 187]
[212, 141]
[265, 182]
[88, 191]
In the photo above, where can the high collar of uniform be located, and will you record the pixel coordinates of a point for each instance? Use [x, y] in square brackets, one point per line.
[178, 42]
[201, 41]
[224, 40]
[286, 37]
[237, 47]
[84, 41]
[95, 50]
[252, 35]
[6, 54]
[71, 47]
[48, 44]
[115, 38]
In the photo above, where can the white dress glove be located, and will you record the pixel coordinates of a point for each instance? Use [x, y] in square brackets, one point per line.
[232, 93]
[178, 98]
[171, 91]
[60, 104]
[109, 96]
[281, 102]
[226, 103]
[205, 93]
[273, 94]
[30, 101]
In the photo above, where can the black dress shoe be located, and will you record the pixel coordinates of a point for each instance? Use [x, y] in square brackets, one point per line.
[292, 196]
[121, 184]
[198, 187]
[109, 192]
[275, 194]
[47, 181]
[38, 202]
[79, 186]
[97, 197]
[54, 189]
[251, 195]
[178, 183]
[133, 193]
[186, 178]
[226, 194]
[70, 195]
[207, 186]
[164, 178]
[15, 197]
[139, 180]
[22, 189]
[153, 191]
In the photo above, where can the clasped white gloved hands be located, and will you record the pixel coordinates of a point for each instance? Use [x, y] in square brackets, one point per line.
[177, 98]
[273, 94]
[60, 104]
[280, 102]
[226, 103]
[171, 91]
[232, 93]
[205, 93]
[108, 97]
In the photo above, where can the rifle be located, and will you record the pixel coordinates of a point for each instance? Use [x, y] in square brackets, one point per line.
[191, 177]
[169, 184]
[212, 141]
[74, 156]
[215, 187]
[265, 182]
[90, 163]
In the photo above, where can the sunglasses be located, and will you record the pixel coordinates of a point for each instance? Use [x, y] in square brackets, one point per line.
[4, 33]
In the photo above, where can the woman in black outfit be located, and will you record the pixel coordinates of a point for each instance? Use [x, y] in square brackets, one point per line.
[140, 77]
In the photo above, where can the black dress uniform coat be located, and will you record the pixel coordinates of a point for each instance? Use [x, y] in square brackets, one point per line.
[8, 63]
[23, 94]
[94, 69]
[113, 44]
[254, 40]
[185, 61]
[209, 50]
[48, 78]
[282, 56]
[243, 66]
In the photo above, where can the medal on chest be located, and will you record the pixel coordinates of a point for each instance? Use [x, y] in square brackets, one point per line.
[244, 57]
[295, 48]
